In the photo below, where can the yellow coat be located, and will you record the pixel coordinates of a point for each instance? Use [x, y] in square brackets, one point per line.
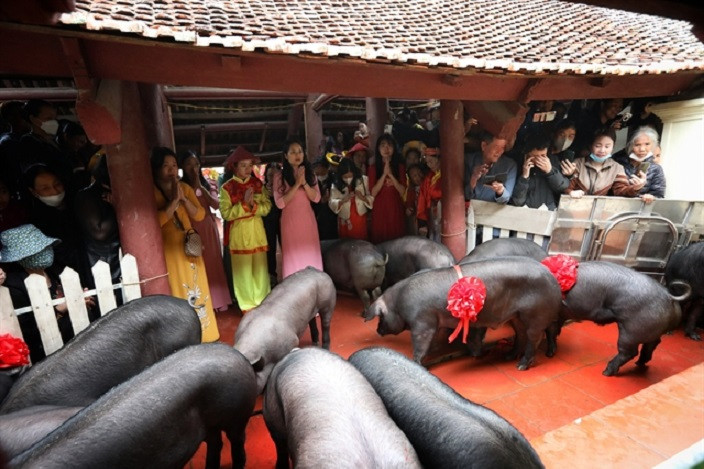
[247, 234]
[187, 277]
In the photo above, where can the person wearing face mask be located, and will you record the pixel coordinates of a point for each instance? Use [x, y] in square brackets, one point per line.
[598, 173]
[324, 217]
[350, 199]
[638, 158]
[563, 139]
[26, 250]
[52, 212]
[39, 145]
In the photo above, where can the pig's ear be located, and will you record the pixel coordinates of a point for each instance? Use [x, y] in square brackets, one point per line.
[257, 364]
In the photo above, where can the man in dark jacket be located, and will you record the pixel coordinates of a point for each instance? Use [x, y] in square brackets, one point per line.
[541, 181]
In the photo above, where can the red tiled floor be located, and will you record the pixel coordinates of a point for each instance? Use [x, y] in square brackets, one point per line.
[641, 430]
[549, 397]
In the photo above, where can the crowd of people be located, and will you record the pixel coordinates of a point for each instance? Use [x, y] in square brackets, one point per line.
[55, 194]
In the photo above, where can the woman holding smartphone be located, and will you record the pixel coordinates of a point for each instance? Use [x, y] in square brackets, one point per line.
[638, 159]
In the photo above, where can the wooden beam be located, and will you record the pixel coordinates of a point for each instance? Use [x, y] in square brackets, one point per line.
[151, 61]
[101, 113]
[35, 11]
[322, 100]
[76, 62]
[500, 118]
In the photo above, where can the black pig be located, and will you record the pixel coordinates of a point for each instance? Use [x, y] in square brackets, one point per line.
[519, 290]
[355, 265]
[605, 293]
[271, 330]
[322, 412]
[159, 418]
[411, 254]
[20, 430]
[445, 429]
[687, 265]
[110, 351]
[499, 247]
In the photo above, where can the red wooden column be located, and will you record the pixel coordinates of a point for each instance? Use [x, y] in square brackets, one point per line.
[314, 128]
[156, 116]
[454, 229]
[132, 189]
[377, 115]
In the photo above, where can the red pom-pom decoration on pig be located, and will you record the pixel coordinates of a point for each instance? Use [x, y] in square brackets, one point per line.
[564, 268]
[464, 301]
[13, 352]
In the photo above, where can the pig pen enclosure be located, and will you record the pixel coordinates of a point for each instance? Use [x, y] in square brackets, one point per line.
[564, 397]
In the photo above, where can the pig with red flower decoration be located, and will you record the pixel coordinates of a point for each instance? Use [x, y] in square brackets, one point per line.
[604, 293]
[519, 290]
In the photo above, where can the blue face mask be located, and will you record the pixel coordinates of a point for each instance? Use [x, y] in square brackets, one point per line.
[597, 159]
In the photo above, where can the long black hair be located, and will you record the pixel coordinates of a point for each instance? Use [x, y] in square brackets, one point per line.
[395, 156]
[347, 166]
[287, 169]
[156, 160]
[186, 178]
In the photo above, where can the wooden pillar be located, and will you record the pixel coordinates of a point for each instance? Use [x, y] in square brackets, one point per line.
[377, 115]
[314, 129]
[295, 115]
[156, 116]
[133, 191]
[454, 230]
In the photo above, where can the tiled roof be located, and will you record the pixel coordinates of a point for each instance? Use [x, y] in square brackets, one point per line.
[525, 36]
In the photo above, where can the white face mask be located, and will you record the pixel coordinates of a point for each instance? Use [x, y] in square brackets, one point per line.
[347, 181]
[640, 160]
[52, 200]
[322, 178]
[50, 126]
[562, 144]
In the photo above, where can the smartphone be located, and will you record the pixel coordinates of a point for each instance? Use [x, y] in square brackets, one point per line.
[568, 155]
[644, 167]
[488, 179]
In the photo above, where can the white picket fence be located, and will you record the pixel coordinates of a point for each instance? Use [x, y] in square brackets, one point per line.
[74, 297]
[528, 223]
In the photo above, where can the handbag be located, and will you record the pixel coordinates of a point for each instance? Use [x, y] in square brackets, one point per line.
[192, 242]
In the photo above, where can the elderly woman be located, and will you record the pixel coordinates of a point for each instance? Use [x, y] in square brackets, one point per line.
[638, 159]
[598, 173]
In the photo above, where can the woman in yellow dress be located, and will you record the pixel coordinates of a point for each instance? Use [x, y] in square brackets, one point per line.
[176, 204]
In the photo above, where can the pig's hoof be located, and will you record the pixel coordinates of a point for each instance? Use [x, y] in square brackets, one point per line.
[693, 336]
[609, 372]
[550, 353]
